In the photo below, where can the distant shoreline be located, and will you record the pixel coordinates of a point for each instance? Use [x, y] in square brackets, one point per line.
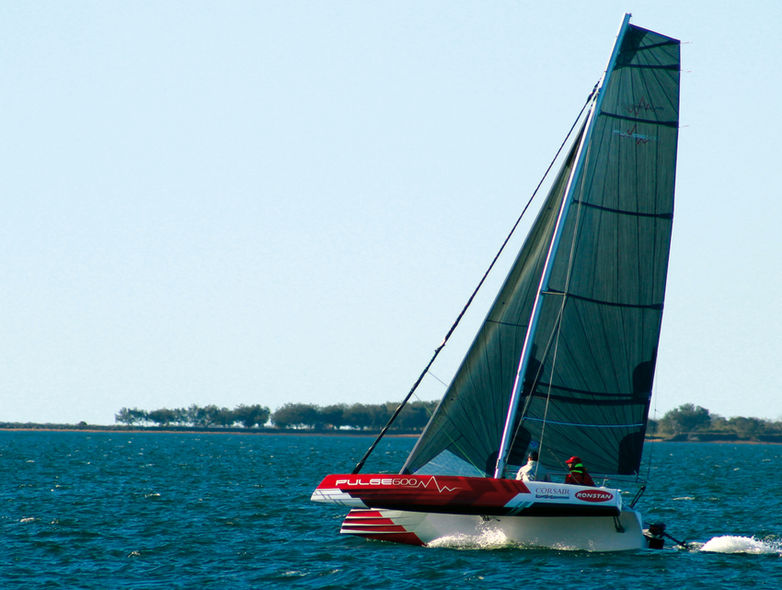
[191, 430]
[685, 438]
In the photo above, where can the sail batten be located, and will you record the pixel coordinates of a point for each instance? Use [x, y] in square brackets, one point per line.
[584, 424]
[640, 120]
[571, 295]
[587, 395]
[667, 216]
[674, 68]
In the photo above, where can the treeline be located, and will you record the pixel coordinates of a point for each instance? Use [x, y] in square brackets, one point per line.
[196, 416]
[413, 416]
[685, 422]
[697, 422]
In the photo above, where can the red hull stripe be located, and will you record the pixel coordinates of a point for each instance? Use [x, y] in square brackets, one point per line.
[365, 513]
[351, 520]
[409, 538]
[374, 529]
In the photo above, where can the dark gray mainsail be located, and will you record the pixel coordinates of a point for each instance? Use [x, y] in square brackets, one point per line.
[592, 342]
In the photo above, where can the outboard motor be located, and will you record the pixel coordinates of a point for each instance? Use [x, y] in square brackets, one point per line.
[655, 535]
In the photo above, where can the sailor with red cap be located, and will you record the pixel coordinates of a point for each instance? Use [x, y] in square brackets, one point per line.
[577, 473]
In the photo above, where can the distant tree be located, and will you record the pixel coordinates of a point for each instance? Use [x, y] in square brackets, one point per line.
[162, 417]
[685, 418]
[415, 415]
[718, 423]
[359, 416]
[332, 416]
[211, 415]
[249, 416]
[747, 427]
[130, 416]
[181, 416]
[196, 416]
[225, 417]
[292, 415]
[193, 415]
[774, 427]
[651, 427]
[123, 416]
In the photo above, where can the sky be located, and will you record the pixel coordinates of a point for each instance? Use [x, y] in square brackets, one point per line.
[285, 201]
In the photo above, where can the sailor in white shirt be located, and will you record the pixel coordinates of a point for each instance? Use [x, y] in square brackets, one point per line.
[533, 471]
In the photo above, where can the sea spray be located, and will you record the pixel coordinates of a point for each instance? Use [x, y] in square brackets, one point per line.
[489, 538]
[738, 544]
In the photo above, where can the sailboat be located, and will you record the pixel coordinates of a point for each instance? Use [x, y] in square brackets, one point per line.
[564, 361]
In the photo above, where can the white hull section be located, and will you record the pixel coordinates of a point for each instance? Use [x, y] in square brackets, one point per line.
[574, 533]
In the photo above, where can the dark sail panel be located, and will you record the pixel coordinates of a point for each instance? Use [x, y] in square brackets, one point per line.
[469, 420]
[599, 324]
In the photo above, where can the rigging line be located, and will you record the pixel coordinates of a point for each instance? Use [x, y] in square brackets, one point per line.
[561, 312]
[453, 440]
[555, 334]
[530, 395]
[539, 371]
[560, 315]
[558, 323]
[436, 378]
[553, 364]
[553, 339]
[651, 448]
[437, 350]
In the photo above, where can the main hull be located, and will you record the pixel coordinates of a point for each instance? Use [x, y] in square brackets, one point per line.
[422, 509]
[572, 533]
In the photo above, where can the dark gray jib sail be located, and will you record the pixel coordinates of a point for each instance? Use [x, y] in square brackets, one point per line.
[582, 305]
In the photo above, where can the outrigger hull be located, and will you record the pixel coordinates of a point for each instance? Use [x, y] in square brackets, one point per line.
[418, 510]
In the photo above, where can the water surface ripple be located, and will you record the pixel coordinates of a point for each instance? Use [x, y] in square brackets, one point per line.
[181, 510]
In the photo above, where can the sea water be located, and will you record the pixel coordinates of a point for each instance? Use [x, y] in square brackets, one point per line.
[185, 510]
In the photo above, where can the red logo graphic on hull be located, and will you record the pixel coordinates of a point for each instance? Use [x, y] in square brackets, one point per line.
[408, 482]
[594, 496]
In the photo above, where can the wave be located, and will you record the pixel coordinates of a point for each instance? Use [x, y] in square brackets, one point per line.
[487, 539]
[738, 544]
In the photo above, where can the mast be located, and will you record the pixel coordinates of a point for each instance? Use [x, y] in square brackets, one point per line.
[513, 404]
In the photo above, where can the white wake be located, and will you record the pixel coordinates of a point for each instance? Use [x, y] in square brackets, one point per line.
[487, 539]
[736, 544]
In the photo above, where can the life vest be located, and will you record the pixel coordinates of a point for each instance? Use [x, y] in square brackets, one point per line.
[579, 476]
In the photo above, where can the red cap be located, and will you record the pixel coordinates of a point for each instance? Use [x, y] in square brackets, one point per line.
[573, 459]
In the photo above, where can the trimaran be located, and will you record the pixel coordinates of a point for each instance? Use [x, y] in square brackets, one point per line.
[564, 361]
